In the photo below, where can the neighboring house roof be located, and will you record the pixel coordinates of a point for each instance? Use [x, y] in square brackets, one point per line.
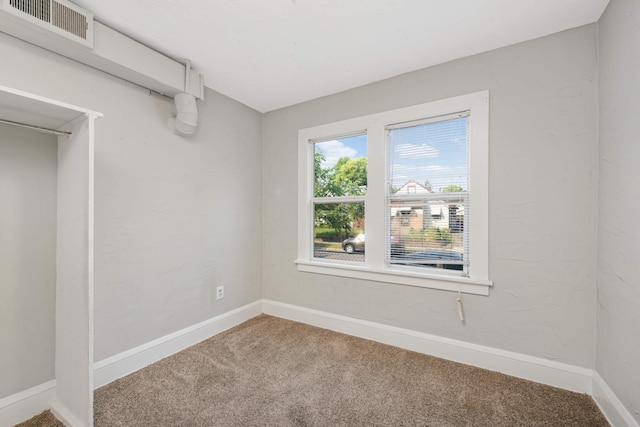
[413, 187]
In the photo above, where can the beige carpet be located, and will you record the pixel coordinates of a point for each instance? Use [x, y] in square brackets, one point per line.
[273, 372]
[45, 419]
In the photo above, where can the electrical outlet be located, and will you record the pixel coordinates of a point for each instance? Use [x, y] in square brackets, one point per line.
[220, 292]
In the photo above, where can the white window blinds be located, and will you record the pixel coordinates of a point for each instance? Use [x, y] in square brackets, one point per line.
[428, 193]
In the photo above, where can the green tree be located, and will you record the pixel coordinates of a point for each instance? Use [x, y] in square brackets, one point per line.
[353, 173]
[320, 175]
[324, 179]
[351, 177]
[337, 216]
[452, 189]
[348, 177]
[340, 163]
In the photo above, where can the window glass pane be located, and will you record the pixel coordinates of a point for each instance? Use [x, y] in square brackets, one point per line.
[428, 234]
[429, 158]
[338, 232]
[340, 167]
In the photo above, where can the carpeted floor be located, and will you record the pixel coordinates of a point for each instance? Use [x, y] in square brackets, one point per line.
[273, 372]
[45, 419]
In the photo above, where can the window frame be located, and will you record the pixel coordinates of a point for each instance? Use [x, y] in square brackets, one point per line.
[375, 268]
[332, 199]
[392, 199]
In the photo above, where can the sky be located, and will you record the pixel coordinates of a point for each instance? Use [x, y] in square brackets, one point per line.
[435, 151]
[352, 147]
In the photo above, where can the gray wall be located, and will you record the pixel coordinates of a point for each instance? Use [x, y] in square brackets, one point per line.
[28, 164]
[543, 198]
[175, 217]
[618, 349]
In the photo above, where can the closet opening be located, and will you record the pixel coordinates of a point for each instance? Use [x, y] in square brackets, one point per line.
[46, 256]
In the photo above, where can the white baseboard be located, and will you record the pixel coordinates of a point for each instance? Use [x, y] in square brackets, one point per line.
[28, 403]
[23, 405]
[63, 414]
[519, 365]
[127, 362]
[610, 405]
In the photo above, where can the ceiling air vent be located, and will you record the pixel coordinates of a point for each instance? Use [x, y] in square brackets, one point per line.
[40, 9]
[58, 16]
[69, 20]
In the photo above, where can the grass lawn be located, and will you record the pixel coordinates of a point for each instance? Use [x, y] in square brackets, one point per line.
[328, 245]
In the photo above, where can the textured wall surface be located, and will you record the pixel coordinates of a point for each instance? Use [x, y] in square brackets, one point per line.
[28, 164]
[175, 216]
[618, 342]
[543, 198]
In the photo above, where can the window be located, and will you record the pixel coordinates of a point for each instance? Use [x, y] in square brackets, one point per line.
[339, 190]
[419, 175]
[428, 193]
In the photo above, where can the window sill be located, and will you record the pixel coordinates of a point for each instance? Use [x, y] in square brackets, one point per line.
[408, 278]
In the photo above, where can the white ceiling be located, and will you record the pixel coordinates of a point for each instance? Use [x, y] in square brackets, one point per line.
[270, 54]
